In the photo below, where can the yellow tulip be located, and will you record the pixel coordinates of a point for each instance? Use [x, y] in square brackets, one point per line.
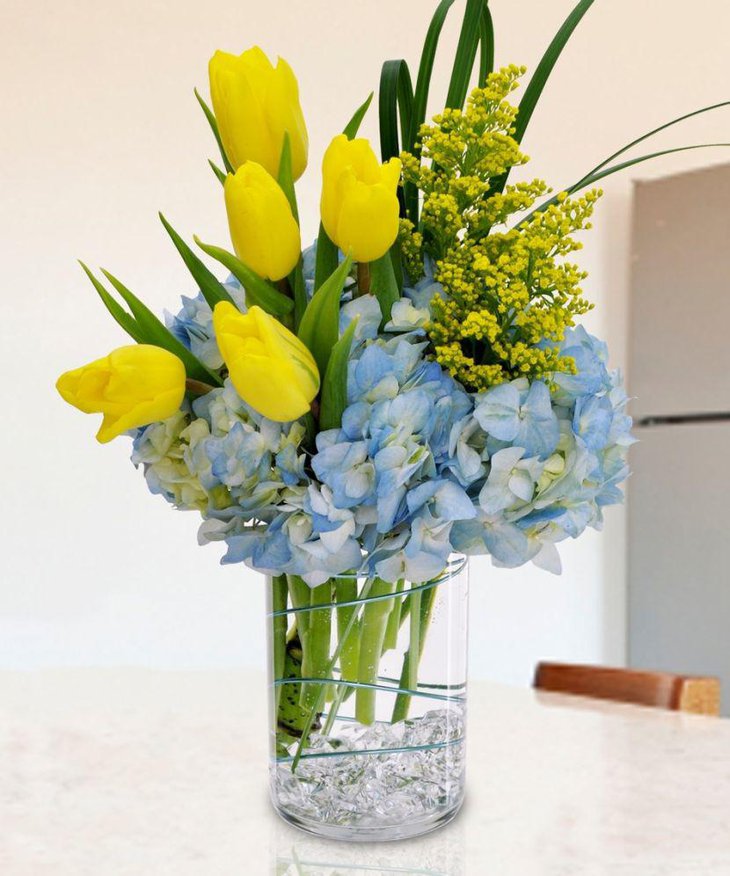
[255, 104]
[132, 386]
[269, 366]
[264, 231]
[359, 199]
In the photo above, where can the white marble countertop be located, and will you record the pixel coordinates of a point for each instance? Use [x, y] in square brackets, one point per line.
[136, 772]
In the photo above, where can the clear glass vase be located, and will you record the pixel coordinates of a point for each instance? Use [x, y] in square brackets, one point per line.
[368, 703]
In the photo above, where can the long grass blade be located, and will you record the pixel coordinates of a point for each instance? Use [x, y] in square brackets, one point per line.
[396, 101]
[425, 71]
[618, 153]
[543, 70]
[466, 52]
[592, 178]
[486, 39]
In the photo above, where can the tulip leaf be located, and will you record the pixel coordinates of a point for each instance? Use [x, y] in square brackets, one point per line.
[214, 128]
[296, 281]
[211, 288]
[124, 319]
[384, 284]
[353, 126]
[221, 177]
[334, 384]
[320, 325]
[396, 257]
[286, 176]
[326, 259]
[156, 333]
[258, 291]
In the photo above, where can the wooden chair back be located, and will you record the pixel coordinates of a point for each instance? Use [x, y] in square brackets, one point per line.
[683, 693]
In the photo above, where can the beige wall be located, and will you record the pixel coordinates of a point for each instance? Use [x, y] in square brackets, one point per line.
[100, 130]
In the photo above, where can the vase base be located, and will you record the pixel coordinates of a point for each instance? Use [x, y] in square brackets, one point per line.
[374, 833]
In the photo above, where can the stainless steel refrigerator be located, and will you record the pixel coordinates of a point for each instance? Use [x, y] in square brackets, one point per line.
[679, 374]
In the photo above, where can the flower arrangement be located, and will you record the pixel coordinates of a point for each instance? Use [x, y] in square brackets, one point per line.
[415, 383]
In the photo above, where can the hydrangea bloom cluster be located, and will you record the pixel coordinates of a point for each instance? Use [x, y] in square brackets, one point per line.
[419, 468]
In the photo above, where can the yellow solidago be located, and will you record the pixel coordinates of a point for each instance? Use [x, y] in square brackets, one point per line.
[509, 293]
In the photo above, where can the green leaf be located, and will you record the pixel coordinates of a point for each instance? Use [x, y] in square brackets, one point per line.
[320, 325]
[592, 178]
[214, 128]
[486, 41]
[425, 71]
[466, 52]
[124, 319]
[545, 68]
[334, 384]
[384, 285]
[327, 257]
[396, 257]
[217, 171]
[286, 176]
[258, 291]
[296, 280]
[539, 79]
[704, 109]
[353, 126]
[157, 334]
[396, 100]
[211, 288]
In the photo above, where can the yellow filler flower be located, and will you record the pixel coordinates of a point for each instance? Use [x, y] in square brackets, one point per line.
[269, 366]
[264, 231]
[255, 104]
[132, 386]
[359, 199]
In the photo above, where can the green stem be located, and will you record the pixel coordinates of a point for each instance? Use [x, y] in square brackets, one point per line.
[374, 622]
[346, 591]
[301, 595]
[394, 620]
[415, 640]
[279, 595]
[319, 635]
[421, 607]
[309, 723]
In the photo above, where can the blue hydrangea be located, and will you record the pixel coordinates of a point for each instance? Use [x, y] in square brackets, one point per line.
[418, 469]
[193, 324]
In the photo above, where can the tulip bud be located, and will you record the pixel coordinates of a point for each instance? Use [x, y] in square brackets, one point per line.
[359, 199]
[264, 231]
[132, 386]
[255, 104]
[269, 366]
